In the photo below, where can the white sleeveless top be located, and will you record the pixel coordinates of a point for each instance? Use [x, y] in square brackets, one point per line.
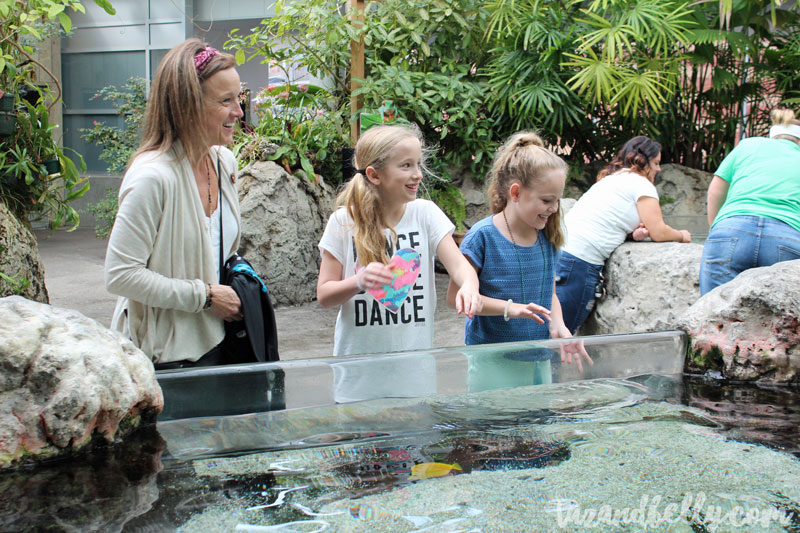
[231, 230]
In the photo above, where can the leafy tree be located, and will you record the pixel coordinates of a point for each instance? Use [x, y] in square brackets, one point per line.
[584, 73]
[592, 74]
[118, 145]
[730, 80]
[587, 75]
[424, 56]
[29, 185]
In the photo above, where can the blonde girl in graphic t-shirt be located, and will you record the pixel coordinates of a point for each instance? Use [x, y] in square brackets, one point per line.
[378, 214]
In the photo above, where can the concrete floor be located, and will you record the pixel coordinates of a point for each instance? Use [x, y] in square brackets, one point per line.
[73, 265]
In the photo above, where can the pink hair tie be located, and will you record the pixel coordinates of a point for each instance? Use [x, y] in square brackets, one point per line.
[202, 58]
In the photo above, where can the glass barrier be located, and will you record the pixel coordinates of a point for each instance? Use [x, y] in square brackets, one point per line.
[200, 403]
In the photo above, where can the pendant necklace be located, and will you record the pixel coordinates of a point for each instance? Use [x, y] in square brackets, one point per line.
[519, 260]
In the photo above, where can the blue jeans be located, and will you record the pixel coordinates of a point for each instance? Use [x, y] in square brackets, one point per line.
[575, 287]
[741, 242]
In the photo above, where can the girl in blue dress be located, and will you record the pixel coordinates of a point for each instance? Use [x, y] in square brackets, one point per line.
[514, 250]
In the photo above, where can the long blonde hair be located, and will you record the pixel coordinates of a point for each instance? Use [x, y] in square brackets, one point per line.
[360, 197]
[174, 110]
[523, 158]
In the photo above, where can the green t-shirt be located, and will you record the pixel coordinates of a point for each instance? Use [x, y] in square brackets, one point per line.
[764, 178]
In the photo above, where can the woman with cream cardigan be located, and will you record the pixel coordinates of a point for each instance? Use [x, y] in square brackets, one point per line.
[177, 193]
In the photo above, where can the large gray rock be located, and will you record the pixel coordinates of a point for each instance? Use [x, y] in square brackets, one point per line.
[682, 190]
[749, 328]
[283, 217]
[476, 205]
[649, 287]
[64, 380]
[19, 259]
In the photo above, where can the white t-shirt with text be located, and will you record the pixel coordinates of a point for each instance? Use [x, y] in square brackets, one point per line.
[364, 325]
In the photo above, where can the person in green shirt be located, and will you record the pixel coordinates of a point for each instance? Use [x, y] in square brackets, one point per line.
[754, 204]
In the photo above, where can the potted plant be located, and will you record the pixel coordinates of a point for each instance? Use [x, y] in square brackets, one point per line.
[6, 101]
[36, 178]
[7, 116]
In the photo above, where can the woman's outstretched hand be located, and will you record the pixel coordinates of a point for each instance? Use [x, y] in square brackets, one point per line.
[225, 303]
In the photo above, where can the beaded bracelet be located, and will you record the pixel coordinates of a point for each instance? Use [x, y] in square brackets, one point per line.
[209, 295]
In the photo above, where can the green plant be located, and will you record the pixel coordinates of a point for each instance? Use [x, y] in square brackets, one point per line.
[105, 213]
[450, 199]
[665, 200]
[26, 22]
[27, 185]
[15, 286]
[118, 145]
[299, 120]
[582, 73]
[10, 285]
[731, 80]
[589, 75]
[32, 184]
[423, 56]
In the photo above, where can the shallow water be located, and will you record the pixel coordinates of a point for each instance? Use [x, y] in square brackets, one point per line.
[493, 438]
[626, 446]
[641, 453]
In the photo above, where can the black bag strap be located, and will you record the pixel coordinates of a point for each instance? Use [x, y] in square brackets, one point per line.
[219, 206]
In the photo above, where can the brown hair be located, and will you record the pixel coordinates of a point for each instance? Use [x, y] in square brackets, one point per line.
[360, 196]
[635, 154]
[523, 158]
[175, 107]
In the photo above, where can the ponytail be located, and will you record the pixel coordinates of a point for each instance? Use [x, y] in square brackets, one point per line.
[360, 197]
[523, 158]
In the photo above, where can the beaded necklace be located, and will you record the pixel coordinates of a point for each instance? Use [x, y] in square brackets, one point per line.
[208, 178]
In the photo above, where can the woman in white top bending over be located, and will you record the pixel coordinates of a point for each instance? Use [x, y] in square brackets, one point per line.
[624, 201]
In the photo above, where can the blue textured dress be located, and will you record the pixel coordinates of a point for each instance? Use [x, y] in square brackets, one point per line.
[500, 277]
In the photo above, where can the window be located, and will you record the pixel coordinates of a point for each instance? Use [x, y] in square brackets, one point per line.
[83, 75]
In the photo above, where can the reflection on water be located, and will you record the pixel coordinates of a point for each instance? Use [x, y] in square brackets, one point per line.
[768, 415]
[513, 459]
[101, 492]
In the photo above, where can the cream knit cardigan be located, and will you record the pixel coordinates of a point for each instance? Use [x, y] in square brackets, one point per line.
[160, 257]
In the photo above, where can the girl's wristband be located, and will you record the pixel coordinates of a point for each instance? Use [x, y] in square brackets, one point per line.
[505, 313]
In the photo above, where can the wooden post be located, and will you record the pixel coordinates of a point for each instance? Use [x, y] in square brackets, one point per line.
[357, 8]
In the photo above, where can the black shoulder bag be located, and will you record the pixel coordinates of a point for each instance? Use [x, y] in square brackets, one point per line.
[255, 338]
